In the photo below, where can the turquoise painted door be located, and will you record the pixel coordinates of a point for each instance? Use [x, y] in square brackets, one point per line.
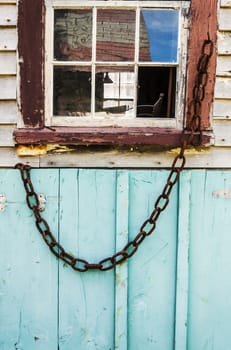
[174, 293]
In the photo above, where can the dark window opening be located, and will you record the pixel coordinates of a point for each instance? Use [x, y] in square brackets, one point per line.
[156, 92]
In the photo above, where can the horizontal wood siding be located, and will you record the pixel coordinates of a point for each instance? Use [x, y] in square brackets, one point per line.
[8, 113]
[222, 98]
[7, 63]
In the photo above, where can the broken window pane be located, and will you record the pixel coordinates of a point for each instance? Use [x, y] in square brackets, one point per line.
[72, 91]
[73, 35]
[156, 92]
[114, 92]
[115, 35]
[162, 30]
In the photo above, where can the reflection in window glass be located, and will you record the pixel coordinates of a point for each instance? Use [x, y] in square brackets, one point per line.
[114, 91]
[72, 91]
[73, 35]
[115, 35]
[162, 30]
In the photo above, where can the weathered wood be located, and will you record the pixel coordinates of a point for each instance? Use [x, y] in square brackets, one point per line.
[31, 61]
[203, 19]
[7, 87]
[8, 15]
[8, 112]
[87, 218]
[223, 88]
[182, 274]
[222, 132]
[224, 43]
[152, 269]
[225, 19]
[8, 39]
[38, 119]
[8, 158]
[7, 1]
[7, 63]
[222, 109]
[121, 273]
[210, 262]
[46, 305]
[106, 136]
[29, 276]
[224, 66]
[225, 3]
[6, 135]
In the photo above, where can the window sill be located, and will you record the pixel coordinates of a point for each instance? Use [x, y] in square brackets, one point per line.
[105, 136]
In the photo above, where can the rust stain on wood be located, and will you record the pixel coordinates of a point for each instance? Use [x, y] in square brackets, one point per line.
[31, 61]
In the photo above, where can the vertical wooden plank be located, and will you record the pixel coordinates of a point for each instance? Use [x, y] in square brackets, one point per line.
[210, 261]
[121, 282]
[31, 62]
[181, 312]
[28, 282]
[203, 18]
[152, 269]
[87, 229]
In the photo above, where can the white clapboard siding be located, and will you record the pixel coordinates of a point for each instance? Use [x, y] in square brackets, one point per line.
[225, 19]
[7, 63]
[222, 132]
[8, 39]
[8, 113]
[225, 3]
[223, 88]
[222, 109]
[224, 43]
[6, 135]
[8, 15]
[7, 87]
[224, 65]
[8, 158]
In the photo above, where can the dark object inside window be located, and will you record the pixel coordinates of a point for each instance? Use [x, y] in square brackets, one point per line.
[156, 92]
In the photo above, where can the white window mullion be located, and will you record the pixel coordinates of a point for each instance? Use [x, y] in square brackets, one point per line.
[136, 67]
[93, 69]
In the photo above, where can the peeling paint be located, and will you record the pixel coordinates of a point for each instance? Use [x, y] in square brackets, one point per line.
[222, 194]
[31, 150]
[190, 151]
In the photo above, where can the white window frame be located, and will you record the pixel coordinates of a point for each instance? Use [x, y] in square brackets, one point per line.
[180, 65]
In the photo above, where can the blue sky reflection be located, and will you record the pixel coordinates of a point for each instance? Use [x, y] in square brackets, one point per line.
[162, 29]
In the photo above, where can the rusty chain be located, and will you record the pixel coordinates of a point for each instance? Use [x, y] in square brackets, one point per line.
[149, 225]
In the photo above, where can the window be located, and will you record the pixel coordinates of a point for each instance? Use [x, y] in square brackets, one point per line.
[115, 77]
[115, 64]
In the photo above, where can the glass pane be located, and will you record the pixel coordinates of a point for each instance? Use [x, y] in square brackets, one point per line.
[73, 35]
[114, 92]
[115, 35]
[161, 27]
[72, 91]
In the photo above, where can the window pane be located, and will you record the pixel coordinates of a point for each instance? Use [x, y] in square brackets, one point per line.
[115, 35]
[72, 91]
[73, 35]
[156, 92]
[162, 30]
[114, 91]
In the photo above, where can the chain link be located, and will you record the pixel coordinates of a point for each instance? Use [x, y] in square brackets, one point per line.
[149, 225]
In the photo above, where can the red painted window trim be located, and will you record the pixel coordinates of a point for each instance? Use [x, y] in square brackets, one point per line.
[203, 18]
